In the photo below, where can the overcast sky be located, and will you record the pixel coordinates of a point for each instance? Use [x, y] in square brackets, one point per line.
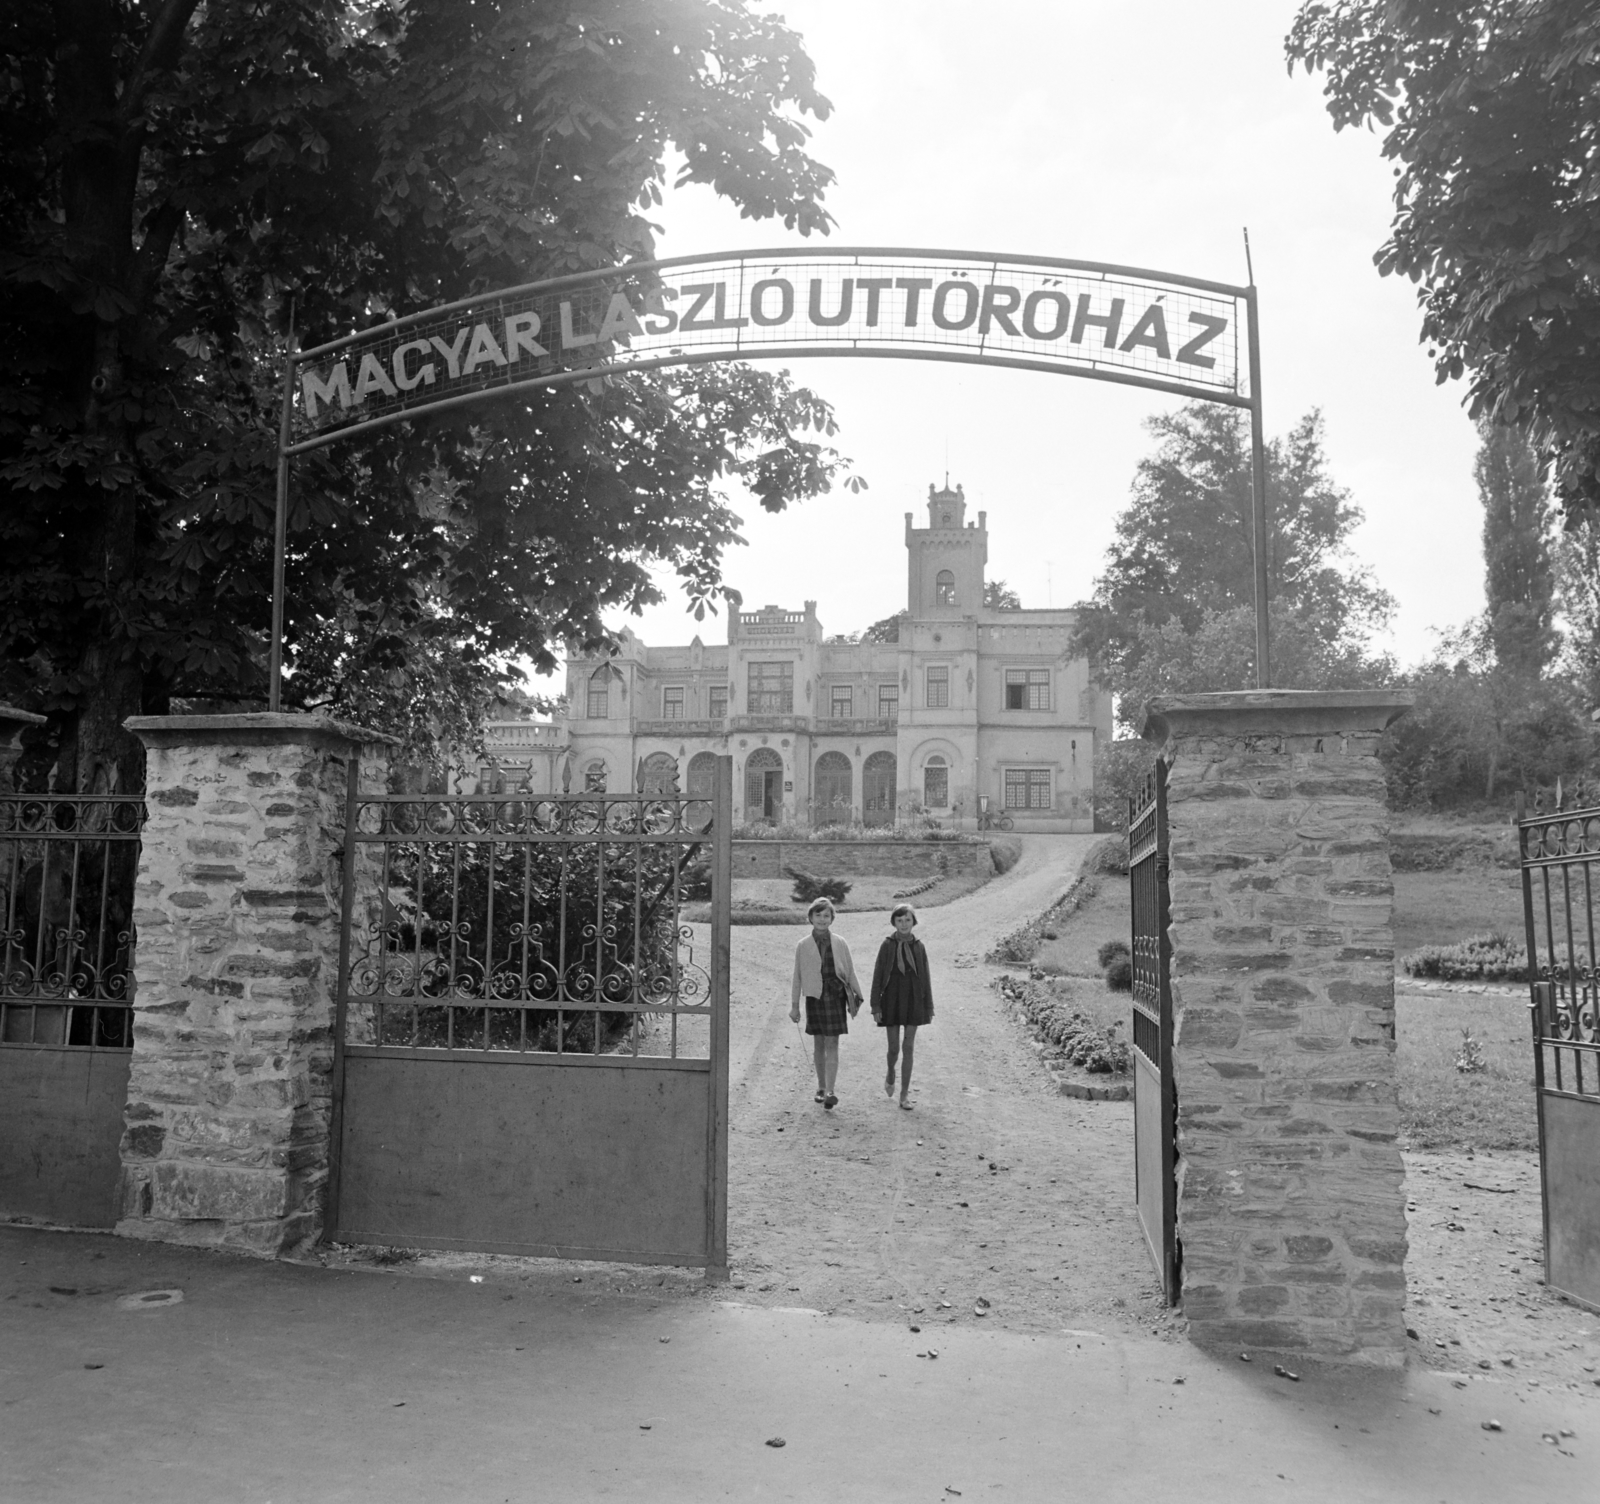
[1144, 132]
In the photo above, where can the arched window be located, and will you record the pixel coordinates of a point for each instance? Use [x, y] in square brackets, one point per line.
[935, 783]
[600, 693]
[702, 780]
[877, 789]
[594, 777]
[831, 788]
[659, 775]
[763, 785]
[944, 588]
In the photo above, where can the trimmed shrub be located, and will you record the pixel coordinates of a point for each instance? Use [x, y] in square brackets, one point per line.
[1109, 856]
[1109, 951]
[1119, 974]
[1019, 946]
[808, 887]
[1483, 958]
[1005, 854]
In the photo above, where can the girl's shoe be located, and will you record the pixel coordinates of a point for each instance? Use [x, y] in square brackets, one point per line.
[821, 1095]
[905, 1106]
[829, 1101]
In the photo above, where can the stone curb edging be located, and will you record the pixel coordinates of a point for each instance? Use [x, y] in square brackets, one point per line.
[1082, 1090]
[1491, 989]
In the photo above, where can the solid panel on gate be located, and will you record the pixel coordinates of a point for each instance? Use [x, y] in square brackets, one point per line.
[1149, 1169]
[60, 1127]
[1572, 1194]
[577, 1160]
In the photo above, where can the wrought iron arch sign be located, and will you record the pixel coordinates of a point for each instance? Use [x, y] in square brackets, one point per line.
[1170, 333]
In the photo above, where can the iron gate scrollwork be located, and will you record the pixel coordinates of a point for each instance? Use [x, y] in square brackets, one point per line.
[1155, 1093]
[1560, 859]
[547, 932]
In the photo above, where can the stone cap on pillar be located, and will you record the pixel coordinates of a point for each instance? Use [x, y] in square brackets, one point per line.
[1275, 712]
[252, 728]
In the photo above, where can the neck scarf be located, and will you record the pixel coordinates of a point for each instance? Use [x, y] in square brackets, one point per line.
[905, 958]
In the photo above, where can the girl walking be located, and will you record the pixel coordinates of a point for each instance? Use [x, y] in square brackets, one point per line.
[902, 995]
[826, 978]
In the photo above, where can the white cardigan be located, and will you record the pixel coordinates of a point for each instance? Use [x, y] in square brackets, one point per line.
[808, 969]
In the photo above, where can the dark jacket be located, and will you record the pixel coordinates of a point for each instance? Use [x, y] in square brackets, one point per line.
[922, 986]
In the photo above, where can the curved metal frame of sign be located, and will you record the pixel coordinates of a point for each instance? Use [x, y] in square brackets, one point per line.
[1090, 319]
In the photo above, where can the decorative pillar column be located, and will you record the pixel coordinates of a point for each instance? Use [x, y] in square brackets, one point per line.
[237, 910]
[13, 723]
[1291, 1212]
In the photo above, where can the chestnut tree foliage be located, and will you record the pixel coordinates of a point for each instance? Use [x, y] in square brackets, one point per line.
[174, 177]
[1489, 110]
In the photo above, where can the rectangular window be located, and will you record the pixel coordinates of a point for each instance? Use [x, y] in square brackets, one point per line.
[888, 702]
[842, 701]
[672, 703]
[1027, 689]
[771, 689]
[938, 688]
[719, 701]
[936, 786]
[1028, 788]
[597, 699]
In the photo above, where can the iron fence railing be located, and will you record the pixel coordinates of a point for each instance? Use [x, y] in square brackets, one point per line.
[67, 869]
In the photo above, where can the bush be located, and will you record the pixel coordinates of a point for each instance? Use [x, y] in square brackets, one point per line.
[1080, 1039]
[808, 888]
[696, 879]
[1109, 856]
[1005, 854]
[1119, 974]
[1483, 958]
[1109, 951]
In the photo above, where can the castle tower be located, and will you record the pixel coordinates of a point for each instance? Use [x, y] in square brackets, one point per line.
[945, 560]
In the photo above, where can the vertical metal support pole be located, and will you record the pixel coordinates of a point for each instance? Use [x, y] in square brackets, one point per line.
[1258, 494]
[280, 529]
[721, 976]
[347, 868]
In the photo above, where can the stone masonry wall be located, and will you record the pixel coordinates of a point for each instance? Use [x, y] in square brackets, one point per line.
[913, 859]
[227, 1125]
[1290, 1202]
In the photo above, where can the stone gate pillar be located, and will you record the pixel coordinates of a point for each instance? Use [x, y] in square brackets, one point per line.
[227, 1126]
[1291, 1211]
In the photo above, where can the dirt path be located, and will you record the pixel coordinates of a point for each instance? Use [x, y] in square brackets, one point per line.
[995, 1186]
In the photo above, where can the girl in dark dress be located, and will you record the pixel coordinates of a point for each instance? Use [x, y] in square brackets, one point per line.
[902, 995]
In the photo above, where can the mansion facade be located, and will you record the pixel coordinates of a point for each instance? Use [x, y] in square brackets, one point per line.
[972, 710]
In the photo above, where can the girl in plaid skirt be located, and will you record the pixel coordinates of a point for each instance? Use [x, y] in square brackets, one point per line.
[826, 978]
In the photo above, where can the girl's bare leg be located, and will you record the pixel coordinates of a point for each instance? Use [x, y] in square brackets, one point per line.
[893, 1031]
[819, 1058]
[905, 1060]
[830, 1060]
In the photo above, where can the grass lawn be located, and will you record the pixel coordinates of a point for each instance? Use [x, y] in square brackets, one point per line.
[1443, 1108]
[1104, 916]
[1440, 908]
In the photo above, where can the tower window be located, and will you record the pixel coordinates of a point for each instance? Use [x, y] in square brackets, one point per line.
[599, 684]
[936, 784]
[938, 687]
[944, 588]
[771, 689]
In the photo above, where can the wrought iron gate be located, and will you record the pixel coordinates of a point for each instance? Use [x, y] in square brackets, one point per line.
[67, 866]
[1155, 1098]
[531, 1041]
[1560, 853]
